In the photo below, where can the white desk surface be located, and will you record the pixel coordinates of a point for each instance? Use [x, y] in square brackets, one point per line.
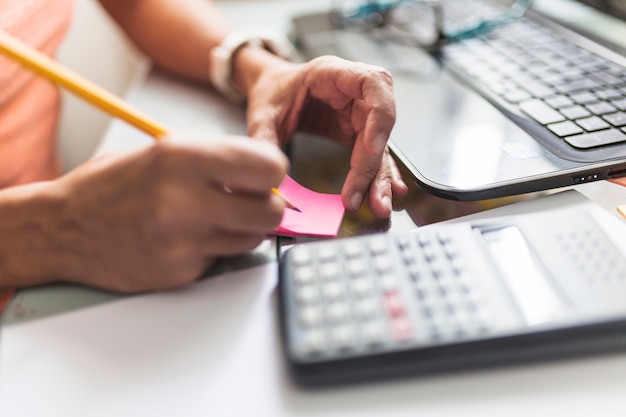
[213, 349]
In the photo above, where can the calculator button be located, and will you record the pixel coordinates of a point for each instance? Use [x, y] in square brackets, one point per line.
[408, 256]
[429, 252]
[451, 250]
[311, 316]
[301, 256]
[389, 282]
[327, 253]
[314, 341]
[378, 246]
[383, 264]
[343, 336]
[446, 287]
[437, 268]
[444, 237]
[356, 268]
[338, 312]
[461, 317]
[372, 332]
[330, 271]
[401, 329]
[404, 242]
[304, 275]
[394, 304]
[334, 290]
[353, 250]
[418, 272]
[458, 267]
[307, 295]
[424, 239]
[367, 308]
[362, 287]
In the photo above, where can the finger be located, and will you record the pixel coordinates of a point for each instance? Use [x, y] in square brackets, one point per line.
[336, 81]
[380, 113]
[237, 162]
[205, 209]
[363, 169]
[380, 192]
[398, 186]
[242, 214]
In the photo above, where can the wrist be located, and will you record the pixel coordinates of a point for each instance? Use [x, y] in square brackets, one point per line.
[31, 251]
[250, 64]
[240, 58]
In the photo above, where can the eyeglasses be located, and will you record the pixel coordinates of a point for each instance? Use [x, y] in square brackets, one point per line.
[421, 22]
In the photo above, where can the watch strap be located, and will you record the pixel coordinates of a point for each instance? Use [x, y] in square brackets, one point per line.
[221, 59]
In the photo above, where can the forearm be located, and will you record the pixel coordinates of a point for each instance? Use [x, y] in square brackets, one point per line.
[178, 35]
[31, 247]
[175, 34]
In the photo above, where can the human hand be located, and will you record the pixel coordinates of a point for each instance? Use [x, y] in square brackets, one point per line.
[157, 218]
[349, 102]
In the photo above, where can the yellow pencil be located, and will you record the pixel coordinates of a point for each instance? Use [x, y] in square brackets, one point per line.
[48, 68]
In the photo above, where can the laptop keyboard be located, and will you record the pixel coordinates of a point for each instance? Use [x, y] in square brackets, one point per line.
[577, 95]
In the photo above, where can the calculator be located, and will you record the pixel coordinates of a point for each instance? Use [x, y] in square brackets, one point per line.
[452, 296]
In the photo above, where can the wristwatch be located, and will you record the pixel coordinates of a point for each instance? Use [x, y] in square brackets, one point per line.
[221, 59]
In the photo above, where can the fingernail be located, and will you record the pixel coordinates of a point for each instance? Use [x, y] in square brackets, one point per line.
[387, 203]
[380, 142]
[355, 201]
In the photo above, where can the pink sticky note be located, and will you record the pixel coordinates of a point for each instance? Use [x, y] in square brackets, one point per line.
[320, 214]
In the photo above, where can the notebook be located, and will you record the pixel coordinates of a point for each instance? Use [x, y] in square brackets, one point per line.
[527, 105]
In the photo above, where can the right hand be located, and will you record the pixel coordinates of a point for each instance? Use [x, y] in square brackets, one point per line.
[157, 218]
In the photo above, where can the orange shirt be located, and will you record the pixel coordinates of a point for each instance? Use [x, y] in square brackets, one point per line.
[29, 105]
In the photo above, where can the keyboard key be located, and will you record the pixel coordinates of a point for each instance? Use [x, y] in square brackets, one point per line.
[608, 94]
[592, 140]
[606, 78]
[616, 119]
[541, 112]
[593, 124]
[566, 128]
[584, 97]
[578, 85]
[534, 87]
[620, 104]
[559, 101]
[515, 96]
[574, 73]
[600, 108]
[575, 112]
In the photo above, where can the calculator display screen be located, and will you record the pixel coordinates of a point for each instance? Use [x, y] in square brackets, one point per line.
[523, 274]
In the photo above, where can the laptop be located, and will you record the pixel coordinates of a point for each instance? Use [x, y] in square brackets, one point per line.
[530, 104]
